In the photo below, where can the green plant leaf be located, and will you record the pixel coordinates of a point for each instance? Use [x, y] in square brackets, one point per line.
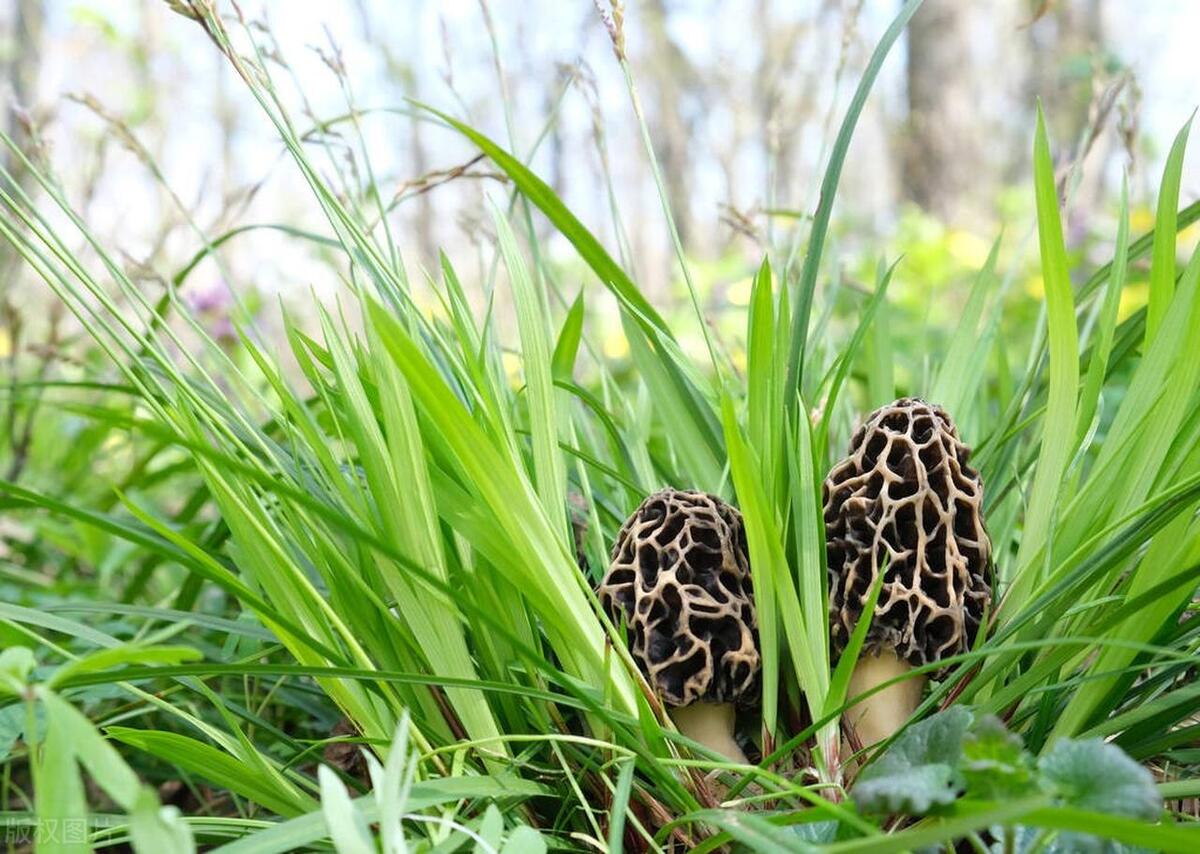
[1094, 775]
[100, 758]
[542, 195]
[206, 761]
[12, 724]
[1162, 261]
[919, 771]
[524, 840]
[16, 663]
[995, 764]
[567, 346]
[1058, 425]
[59, 795]
[347, 827]
[126, 654]
[154, 828]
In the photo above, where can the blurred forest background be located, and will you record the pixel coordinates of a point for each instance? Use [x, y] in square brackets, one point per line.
[161, 149]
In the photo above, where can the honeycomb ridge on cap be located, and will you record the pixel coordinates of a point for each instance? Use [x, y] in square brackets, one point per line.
[679, 577]
[905, 496]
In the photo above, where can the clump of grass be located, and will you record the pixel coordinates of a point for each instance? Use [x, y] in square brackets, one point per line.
[378, 539]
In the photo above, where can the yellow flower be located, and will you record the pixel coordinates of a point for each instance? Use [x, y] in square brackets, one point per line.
[511, 363]
[615, 346]
[966, 248]
[739, 292]
[1035, 286]
[1140, 219]
[1188, 239]
[1133, 297]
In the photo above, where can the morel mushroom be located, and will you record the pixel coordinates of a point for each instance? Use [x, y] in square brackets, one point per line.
[680, 578]
[906, 501]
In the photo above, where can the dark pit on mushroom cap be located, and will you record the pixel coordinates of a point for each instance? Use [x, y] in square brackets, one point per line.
[680, 579]
[906, 493]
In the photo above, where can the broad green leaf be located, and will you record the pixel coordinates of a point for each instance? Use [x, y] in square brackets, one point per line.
[62, 810]
[1097, 776]
[920, 770]
[100, 758]
[995, 765]
[12, 725]
[491, 829]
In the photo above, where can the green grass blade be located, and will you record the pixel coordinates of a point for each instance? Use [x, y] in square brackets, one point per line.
[1162, 261]
[1058, 426]
[1107, 321]
[541, 194]
[203, 760]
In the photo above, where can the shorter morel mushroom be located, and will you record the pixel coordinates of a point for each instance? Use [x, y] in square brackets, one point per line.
[680, 579]
[906, 501]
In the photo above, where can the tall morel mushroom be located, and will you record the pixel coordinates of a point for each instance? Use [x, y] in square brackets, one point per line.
[680, 578]
[906, 501]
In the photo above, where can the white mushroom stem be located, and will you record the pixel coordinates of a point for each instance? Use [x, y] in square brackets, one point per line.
[710, 724]
[883, 713]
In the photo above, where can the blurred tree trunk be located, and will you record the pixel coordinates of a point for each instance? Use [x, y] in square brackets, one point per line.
[1069, 70]
[20, 72]
[944, 155]
[22, 65]
[1063, 42]
[674, 79]
[18, 87]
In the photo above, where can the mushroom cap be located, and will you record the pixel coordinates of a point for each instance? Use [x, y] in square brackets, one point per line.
[680, 577]
[906, 493]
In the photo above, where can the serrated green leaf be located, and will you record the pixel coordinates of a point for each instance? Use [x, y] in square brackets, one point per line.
[1094, 775]
[995, 764]
[921, 768]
